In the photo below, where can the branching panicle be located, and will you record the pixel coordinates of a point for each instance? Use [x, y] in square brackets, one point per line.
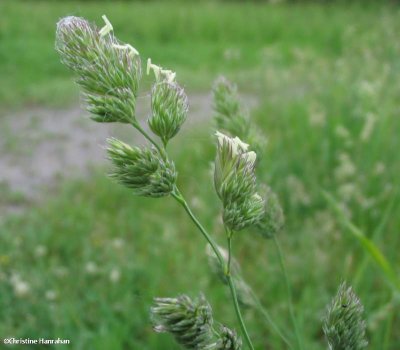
[108, 72]
[344, 326]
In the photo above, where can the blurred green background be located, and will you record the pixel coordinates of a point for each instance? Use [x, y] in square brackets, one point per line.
[83, 259]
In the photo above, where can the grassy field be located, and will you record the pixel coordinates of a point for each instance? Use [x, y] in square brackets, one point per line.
[198, 41]
[85, 263]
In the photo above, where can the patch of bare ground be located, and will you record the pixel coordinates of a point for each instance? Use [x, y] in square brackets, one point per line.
[40, 147]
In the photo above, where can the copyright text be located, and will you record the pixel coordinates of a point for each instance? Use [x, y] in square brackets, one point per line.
[37, 341]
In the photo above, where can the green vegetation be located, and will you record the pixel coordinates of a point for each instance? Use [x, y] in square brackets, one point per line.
[85, 264]
[199, 41]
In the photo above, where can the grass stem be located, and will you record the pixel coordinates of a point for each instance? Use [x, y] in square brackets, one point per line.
[289, 293]
[180, 199]
[149, 138]
[234, 294]
[264, 312]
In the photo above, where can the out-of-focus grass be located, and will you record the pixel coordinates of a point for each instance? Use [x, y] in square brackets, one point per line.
[197, 39]
[329, 106]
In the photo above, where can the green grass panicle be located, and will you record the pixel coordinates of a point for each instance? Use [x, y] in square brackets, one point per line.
[344, 325]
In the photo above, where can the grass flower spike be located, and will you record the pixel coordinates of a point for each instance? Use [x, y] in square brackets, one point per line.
[169, 106]
[108, 75]
[344, 326]
[230, 152]
[141, 169]
[273, 219]
[235, 183]
[228, 113]
[231, 118]
[189, 321]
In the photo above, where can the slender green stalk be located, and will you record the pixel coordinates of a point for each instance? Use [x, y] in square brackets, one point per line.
[289, 293]
[180, 199]
[234, 294]
[230, 236]
[367, 244]
[264, 312]
[178, 196]
[226, 267]
[238, 313]
[261, 308]
[388, 331]
[374, 237]
[148, 137]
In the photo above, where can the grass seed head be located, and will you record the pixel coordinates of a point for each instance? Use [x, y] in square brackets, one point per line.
[273, 219]
[230, 117]
[189, 321]
[141, 169]
[169, 106]
[344, 326]
[235, 183]
[107, 71]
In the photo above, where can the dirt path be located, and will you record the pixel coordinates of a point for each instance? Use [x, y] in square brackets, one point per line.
[40, 147]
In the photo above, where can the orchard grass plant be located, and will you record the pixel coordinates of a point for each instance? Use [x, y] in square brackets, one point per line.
[108, 72]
